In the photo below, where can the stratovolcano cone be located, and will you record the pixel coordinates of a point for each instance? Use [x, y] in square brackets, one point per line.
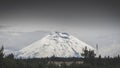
[55, 44]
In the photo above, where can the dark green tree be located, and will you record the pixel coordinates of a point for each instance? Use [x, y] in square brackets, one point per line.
[1, 56]
[85, 53]
[10, 56]
[89, 55]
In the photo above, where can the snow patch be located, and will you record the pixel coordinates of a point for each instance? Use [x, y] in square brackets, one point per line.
[57, 44]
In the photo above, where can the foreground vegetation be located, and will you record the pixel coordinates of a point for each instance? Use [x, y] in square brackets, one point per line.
[89, 61]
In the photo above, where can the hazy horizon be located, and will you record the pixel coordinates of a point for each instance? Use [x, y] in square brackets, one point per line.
[95, 22]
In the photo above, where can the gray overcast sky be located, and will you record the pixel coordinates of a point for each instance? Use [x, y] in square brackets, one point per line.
[69, 16]
[85, 19]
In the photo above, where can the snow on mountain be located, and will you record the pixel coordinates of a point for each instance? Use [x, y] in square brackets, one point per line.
[55, 44]
[7, 52]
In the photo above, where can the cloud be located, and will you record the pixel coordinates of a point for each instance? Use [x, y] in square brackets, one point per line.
[17, 40]
[87, 20]
[4, 27]
[81, 17]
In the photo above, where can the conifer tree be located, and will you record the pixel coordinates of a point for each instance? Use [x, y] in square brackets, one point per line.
[85, 53]
[89, 55]
[1, 56]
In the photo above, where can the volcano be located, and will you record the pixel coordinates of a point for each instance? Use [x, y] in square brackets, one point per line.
[56, 44]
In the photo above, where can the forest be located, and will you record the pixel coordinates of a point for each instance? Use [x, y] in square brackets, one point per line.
[89, 61]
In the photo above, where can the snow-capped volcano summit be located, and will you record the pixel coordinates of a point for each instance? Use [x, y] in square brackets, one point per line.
[55, 44]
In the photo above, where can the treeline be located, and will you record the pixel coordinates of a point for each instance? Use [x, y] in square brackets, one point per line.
[89, 61]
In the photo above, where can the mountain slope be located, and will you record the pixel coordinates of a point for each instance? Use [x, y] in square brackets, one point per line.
[14, 40]
[55, 44]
